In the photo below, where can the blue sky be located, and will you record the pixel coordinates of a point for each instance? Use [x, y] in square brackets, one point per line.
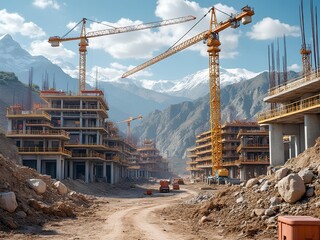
[32, 22]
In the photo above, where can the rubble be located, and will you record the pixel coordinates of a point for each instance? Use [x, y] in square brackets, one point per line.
[251, 210]
[28, 198]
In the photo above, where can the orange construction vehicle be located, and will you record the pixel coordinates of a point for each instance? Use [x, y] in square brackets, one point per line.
[175, 186]
[164, 186]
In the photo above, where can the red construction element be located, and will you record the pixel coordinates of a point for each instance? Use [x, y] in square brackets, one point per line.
[298, 228]
[164, 186]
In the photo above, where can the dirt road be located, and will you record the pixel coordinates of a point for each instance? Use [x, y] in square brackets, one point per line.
[122, 214]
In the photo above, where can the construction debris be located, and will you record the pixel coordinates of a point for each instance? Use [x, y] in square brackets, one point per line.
[29, 198]
[252, 210]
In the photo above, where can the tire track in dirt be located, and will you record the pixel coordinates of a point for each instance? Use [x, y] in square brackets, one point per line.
[136, 221]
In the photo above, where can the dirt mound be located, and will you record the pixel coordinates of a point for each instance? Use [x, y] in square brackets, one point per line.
[308, 159]
[33, 208]
[251, 213]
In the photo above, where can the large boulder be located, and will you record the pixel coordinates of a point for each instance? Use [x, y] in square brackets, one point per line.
[8, 201]
[38, 185]
[62, 189]
[281, 173]
[251, 182]
[291, 188]
[306, 175]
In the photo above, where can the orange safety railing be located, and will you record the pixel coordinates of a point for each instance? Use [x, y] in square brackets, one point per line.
[39, 132]
[286, 109]
[27, 112]
[43, 150]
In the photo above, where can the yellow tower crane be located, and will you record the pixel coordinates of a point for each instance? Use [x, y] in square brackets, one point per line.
[211, 37]
[84, 36]
[128, 121]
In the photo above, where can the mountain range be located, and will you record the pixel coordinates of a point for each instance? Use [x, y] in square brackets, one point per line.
[175, 128]
[125, 99]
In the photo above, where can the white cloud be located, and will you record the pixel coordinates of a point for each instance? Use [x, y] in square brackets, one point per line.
[13, 23]
[268, 29]
[145, 43]
[55, 54]
[71, 25]
[46, 4]
[294, 67]
[111, 73]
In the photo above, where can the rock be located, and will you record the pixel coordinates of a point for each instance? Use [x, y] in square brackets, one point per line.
[265, 186]
[35, 204]
[251, 182]
[259, 211]
[38, 185]
[270, 170]
[240, 200]
[291, 188]
[271, 220]
[8, 201]
[281, 173]
[269, 212]
[310, 192]
[203, 219]
[8, 221]
[306, 175]
[275, 201]
[317, 204]
[21, 214]
[62, 189]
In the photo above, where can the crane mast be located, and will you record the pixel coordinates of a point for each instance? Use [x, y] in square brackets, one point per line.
[128, 121]
[56, 40]
[211, 37]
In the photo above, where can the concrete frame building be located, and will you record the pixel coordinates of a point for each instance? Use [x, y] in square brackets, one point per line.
[253, 153]
[69, 137]
[238, 157]
[39, 144]
[152, 164]
[294, 115]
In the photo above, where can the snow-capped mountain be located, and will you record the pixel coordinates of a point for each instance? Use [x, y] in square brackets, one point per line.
[195, 85]
[124, 101]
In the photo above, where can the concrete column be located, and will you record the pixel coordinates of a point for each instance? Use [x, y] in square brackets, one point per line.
[91, 177]
[311, 129]
[276, 145]
[38, 164]
[71, 169]
[87, 170]
[112, 173]
[296, 146]
[61, 120]
[62, 168]
[292, 149]
[9, 125]
[243, 171]
[104, 171]
[58, 174]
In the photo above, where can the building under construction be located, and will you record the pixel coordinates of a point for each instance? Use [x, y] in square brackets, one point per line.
[69, 137]
[293, 118]
[245, 151]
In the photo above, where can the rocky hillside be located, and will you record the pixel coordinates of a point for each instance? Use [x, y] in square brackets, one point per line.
[28, 198]
[251, 210]
[175, 128]
[12, 91]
